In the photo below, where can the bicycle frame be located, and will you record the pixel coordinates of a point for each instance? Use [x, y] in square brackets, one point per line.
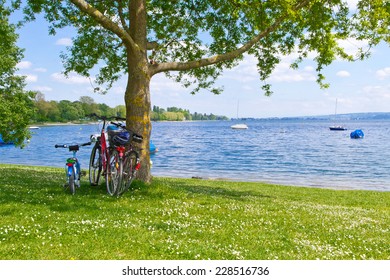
[102, 142]
[72, 167]
[111, 158]
[123, 164]
[103, 146]
[98, 166]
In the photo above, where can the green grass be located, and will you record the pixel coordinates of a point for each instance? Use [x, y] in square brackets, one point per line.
[187, 219]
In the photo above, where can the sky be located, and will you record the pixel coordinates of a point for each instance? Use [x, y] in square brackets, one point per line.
[361, 86]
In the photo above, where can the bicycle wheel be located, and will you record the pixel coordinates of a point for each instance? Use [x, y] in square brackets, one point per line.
[114, 173]
[129, 163]
[95, 165]
[72, 187]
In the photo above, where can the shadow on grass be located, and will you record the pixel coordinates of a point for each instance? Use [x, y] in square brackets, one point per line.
[194, 188]
[44, 187]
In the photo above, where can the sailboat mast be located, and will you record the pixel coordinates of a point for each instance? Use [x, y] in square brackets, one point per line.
[238, 104]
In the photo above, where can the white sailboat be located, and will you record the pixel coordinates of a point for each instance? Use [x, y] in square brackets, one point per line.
[239, 125]
[336, 127]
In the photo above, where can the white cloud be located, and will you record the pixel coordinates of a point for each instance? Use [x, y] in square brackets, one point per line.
[118, 90]
[40, 69]
[72, 78]
[43, 88]
[64, 42]
[352, 4]
[24, 65]
[309, 68]
[352, 46]
[161, 84]
[248, 88]
[383, 73]
[30, 78]
[377, 92]
[284, 73]
[343, 74]
[246, 71]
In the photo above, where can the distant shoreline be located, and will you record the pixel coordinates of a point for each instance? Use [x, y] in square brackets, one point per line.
[340, 117]
[92, 123]
[59, 124]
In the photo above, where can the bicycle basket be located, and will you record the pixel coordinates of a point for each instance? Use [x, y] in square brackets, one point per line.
[121, 138]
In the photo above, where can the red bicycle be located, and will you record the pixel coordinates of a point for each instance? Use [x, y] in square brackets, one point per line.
[99, 153]
[113, 156]
[123, 161]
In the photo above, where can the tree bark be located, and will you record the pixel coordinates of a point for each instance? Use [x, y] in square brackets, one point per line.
[137, 100]
[137, 96]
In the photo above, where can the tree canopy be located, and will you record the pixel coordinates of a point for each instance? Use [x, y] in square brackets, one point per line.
[15, 102]
[193, 41]
[188, 35]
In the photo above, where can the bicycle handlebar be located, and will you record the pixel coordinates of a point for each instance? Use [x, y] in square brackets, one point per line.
[119, 125]
[105, 118]
[135, 137]
[61, 146]
[66, 146]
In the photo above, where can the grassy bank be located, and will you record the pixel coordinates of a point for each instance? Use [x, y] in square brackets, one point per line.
[187, 219]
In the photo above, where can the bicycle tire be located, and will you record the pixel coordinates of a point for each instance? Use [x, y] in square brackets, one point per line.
[129, 164]
[95, 165]
[72, 187]
[114, 173]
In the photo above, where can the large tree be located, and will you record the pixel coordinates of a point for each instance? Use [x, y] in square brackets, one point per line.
[192, 41]
[15, 103]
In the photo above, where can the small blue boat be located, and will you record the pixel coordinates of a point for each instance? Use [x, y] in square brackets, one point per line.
[4, 143]
[152, 148]
[356, 134]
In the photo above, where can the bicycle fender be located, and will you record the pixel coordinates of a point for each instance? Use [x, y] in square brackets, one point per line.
[70, 170]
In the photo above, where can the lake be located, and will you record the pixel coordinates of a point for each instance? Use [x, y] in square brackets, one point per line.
[289, 152]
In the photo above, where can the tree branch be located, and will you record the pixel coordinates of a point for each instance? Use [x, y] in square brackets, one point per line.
[85, 7]
[152, 45]
[182, 66]
[121, 16]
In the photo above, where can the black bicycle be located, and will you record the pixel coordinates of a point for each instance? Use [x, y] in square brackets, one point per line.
[113, 156]
[124, 161]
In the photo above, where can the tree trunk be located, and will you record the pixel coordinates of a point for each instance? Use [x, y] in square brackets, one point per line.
[137, 96]
[138, 107]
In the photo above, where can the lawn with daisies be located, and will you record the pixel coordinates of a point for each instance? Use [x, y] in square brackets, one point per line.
[187, 219]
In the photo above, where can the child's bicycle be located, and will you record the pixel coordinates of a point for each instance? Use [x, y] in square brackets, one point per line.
[72, 167]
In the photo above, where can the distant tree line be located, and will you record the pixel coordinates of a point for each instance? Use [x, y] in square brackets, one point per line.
[68, 111]
[179, 114]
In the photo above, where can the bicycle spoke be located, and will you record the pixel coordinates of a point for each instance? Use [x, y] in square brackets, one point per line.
[95, 166]
[113, 173]
[129, 169]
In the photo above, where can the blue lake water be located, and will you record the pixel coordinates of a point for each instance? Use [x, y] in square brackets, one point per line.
[291, 152]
